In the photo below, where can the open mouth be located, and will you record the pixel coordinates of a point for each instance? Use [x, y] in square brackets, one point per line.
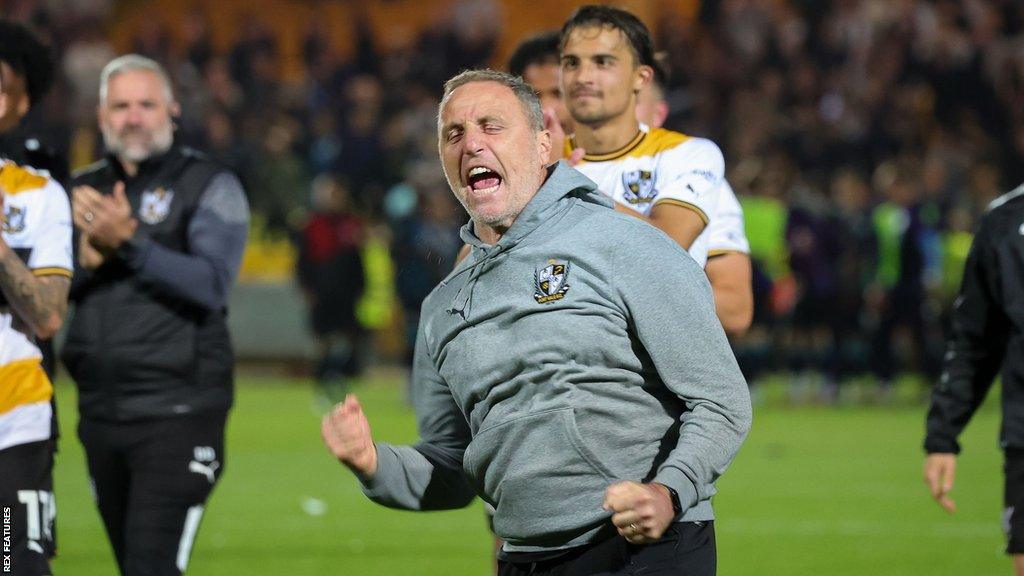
[484, 180]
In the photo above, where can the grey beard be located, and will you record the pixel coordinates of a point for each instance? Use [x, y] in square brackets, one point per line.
[161, 143]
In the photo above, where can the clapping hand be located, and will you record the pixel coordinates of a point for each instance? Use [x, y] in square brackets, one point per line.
[106, 221]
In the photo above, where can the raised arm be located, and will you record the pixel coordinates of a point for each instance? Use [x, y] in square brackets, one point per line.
[425, 476]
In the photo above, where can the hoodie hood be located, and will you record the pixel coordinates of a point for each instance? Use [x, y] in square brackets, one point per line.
[562, 182]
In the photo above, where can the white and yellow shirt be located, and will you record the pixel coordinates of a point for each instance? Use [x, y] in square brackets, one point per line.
[726, 232]
[36, 224]
[664, 166]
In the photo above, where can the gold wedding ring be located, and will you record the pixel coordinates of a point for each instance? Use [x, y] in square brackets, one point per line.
[634, 528]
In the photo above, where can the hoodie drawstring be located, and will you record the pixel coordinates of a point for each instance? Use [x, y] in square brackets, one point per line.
[462, 303]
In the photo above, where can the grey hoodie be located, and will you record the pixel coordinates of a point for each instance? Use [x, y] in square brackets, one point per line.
[579, 350]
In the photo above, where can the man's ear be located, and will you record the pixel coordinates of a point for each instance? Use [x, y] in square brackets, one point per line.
[644, 76]
[3, 104]
[544, 146]
[175, 110]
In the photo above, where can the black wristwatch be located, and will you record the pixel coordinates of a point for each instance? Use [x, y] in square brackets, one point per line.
[677, 507]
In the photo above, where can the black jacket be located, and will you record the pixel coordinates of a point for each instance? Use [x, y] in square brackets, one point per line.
[135, 351]
[988, 319]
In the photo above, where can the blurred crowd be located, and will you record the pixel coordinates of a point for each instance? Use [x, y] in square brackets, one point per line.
[864, 138]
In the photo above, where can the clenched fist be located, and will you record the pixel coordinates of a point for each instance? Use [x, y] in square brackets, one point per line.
[346, 433]
[642, 512]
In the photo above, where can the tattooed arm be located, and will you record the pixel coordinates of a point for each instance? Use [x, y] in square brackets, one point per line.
[39, 301]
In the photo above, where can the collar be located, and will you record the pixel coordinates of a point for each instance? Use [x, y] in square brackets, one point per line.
[628, 147]
[147, 167]
[562, 180]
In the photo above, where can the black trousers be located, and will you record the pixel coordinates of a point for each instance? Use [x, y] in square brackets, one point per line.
[1013, 500]
[151, 481]
[27, 507]
[686, 549]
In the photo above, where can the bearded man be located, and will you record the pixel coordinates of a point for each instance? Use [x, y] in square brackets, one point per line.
[160, 233]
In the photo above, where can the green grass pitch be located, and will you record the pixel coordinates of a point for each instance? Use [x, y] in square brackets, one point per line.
[814, 491]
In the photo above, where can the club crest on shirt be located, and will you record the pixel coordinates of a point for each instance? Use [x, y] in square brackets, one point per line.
[14, 219]
[155, 205]
[551, 282]
[639, 186]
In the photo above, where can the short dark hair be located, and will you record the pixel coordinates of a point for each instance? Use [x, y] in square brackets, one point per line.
[544, 48]
[632, 28]
[28, 57]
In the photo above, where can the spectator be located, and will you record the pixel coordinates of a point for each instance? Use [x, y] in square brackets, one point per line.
[829, 85]
[280, 178]
[907, 276]
[330, 271]
[424, 250]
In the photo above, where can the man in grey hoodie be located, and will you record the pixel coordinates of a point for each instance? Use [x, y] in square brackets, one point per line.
[571, 371]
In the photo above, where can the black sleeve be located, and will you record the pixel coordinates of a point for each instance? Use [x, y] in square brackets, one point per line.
[216, 242]
[82, 278]
[977, 344]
